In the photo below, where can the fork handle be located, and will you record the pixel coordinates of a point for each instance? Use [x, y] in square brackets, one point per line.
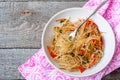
[94, 11]
[97, 8]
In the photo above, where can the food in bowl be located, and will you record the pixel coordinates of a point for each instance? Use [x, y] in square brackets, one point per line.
[80, 53]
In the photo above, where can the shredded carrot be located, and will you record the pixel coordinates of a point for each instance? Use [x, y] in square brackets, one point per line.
[69, 28]
[94, 60]
[53, 55]
[80, 68]
[82, 51]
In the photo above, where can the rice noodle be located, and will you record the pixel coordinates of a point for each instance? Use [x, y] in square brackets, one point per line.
[85, 51]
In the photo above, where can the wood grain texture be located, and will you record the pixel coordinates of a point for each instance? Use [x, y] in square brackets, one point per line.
[22, 23]
[10, 59]
[45, 0]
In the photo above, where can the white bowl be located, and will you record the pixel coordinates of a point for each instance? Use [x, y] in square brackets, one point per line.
[75, 14]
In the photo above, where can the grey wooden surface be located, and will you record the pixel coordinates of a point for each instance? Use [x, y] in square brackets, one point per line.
[21, 26]
[10, 59]
[46, 0]
[21, 23]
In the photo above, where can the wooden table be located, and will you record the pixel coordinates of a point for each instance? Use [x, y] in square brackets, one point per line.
[21, 26]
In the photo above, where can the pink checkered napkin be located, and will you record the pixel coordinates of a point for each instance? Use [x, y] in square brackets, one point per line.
[38, 68]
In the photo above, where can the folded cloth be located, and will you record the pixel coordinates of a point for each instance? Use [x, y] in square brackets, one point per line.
[38, 68]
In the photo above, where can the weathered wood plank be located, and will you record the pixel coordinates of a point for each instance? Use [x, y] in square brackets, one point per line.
[46, 0]
[10, 59]
[22, 23]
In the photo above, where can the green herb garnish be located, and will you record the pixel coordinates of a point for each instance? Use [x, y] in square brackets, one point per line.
[60, 31]
[53, 39]
[84, 62]
[70, 38]
[61, 21]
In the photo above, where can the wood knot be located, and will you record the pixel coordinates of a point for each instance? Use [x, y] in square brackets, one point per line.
[25, 12]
